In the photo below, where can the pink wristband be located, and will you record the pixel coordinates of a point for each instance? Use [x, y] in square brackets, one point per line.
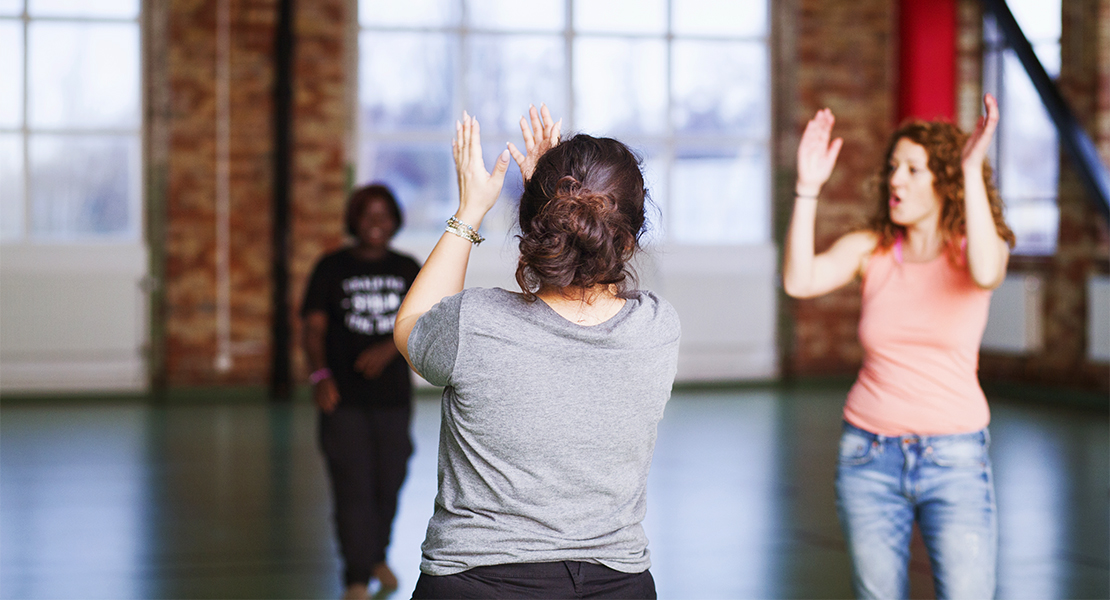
[319, 375]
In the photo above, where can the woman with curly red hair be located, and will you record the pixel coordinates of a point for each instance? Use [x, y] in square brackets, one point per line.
[551, 396]
[915, 438]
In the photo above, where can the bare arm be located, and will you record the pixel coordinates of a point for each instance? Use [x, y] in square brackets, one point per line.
[987, 253]
[806, 274]
[315, 329]
[444, 273]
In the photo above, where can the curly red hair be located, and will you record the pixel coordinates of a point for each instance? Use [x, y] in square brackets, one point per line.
[943, 143]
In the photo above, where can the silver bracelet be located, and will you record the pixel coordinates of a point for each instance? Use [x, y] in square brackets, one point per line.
[464, 231]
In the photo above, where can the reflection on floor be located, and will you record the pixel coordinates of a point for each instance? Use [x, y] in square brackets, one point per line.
[229, 501]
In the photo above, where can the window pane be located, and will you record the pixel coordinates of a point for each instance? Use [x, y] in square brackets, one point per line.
[1035, 223]
[421, 175]
[721, 88]
[1049, 55]
[84, 186]
[11, 73]
[720, 17]
[126, 9]
[84, 75]
[11, 7]
[11, 186]
[620, 86]
[411, 13]
[1040, 20]
[509, 72]
[1029, 166]
[406, 80]
[533, 15]
[720, 197]
[620, 16]
[655, 168]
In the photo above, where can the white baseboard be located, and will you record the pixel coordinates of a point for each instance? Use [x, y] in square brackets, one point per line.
[89, 375]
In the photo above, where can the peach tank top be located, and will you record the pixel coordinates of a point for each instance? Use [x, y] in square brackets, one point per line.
[920, 327]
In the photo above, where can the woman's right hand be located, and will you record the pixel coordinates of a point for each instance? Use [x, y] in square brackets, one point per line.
[816, 155]
[478, 188]
[542, 136]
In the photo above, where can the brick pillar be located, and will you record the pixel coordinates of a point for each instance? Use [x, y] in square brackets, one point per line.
[321, 124]
[326, 45]
[846, 56]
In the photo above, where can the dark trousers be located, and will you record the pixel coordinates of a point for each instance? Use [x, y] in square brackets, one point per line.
[367, 451]
[567, 579]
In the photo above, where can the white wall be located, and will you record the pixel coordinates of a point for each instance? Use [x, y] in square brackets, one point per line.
[725, 297]
[1098, 318]
[73, 318]
[1015, 325]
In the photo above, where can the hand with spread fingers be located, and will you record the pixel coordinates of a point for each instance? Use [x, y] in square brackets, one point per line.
[816, 154]
[975, 150]
[541, 135]
[478, 188]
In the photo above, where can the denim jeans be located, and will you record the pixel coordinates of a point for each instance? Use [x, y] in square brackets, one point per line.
[884, 484]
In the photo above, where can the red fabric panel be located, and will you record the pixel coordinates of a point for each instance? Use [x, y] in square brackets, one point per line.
[927, 88]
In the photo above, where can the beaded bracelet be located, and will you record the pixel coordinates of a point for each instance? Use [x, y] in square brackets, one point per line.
[319, 375]
[464, 231]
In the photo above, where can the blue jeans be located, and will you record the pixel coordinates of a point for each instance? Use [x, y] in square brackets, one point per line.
[944, 482]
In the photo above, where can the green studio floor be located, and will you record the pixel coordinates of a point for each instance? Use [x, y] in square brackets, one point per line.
[209, 500]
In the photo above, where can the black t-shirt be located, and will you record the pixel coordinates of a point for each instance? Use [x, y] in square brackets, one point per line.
[361, 299]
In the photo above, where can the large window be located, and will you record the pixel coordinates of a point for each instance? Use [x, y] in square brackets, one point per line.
[1026, 155]
[70, 121]
[684, 82]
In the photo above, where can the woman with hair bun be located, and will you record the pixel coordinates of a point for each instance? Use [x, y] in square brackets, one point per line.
[552, 395]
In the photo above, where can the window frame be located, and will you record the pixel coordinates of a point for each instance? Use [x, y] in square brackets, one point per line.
[995, 53]
[136, 206]
[666, 146]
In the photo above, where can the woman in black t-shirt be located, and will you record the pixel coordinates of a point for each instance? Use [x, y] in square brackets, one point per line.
[360, 383]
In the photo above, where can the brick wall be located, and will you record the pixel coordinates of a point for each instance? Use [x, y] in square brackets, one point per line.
[1103, 112]
[840, 55]
[324, 123]
[184, 208]
[837, 54]
[843, 55]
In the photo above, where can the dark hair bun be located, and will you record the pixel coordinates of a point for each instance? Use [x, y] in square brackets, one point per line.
[581, 216]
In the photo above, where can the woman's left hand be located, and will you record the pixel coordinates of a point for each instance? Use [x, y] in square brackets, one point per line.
[975, 150]
[987, 253]
[478, 188]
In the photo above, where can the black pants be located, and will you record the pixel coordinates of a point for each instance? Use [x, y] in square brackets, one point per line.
[367, 452]
[568, 579]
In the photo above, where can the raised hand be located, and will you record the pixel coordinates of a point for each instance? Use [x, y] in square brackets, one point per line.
[541, 136]
[975, 150]
[816, 155]
[478, 188]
